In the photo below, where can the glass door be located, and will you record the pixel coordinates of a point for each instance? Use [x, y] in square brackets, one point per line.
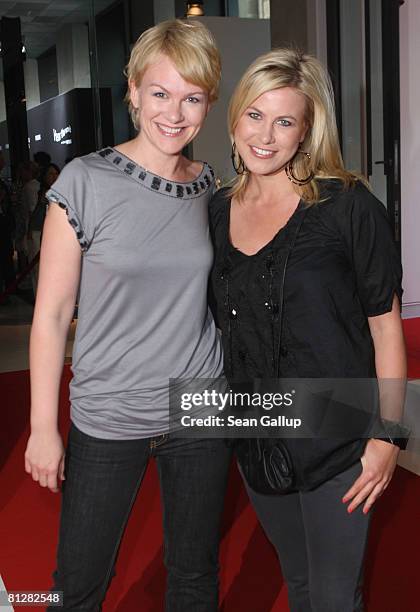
[363, 57]
[391, 111]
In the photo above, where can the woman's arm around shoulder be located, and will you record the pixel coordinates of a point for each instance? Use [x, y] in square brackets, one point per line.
[57, 290]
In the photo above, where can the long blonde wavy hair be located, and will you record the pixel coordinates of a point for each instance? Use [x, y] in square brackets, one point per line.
[287, 67]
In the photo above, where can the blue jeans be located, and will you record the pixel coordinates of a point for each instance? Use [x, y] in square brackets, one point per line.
[102, 481]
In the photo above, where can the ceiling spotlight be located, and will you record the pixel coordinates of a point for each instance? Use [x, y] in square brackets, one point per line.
[195, 9]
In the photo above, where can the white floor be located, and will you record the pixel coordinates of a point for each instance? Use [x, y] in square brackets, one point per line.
[4, 607]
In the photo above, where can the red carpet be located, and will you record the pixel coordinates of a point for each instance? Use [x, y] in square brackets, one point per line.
[251, 579]
[412, 339]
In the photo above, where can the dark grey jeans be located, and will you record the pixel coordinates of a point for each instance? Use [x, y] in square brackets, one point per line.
[320, 546]
[102, 480]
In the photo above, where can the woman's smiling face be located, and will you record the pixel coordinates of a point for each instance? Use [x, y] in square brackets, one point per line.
[171, 111]
[269, 132]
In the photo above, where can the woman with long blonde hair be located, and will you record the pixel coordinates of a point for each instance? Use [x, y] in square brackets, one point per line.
[308, 285]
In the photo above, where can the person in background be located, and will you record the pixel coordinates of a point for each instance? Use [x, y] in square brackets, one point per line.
[42, 159]
[7, 275]
[7, 227]
[308, 285]
[127, 229]
[25, 196]
[2, 167]
[47, 178]
[30, 178]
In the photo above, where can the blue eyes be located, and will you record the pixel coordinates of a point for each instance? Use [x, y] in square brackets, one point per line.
[163, 95]
[282, 122]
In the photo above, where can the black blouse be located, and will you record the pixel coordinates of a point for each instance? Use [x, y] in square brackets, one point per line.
[343, 267]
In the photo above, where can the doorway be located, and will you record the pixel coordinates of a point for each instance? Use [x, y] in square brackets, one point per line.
[363, 59]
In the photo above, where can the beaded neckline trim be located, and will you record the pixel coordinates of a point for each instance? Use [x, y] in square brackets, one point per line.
[156, 183]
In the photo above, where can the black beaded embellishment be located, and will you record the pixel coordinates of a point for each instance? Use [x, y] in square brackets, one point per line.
[80, 234]
[129, 168]
[157, 183]
[106, 152]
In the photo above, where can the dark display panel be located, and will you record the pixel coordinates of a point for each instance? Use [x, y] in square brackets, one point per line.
[64, 126]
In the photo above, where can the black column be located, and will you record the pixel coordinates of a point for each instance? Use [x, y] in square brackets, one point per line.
[14, 90]
[180, 8]
[141, 17]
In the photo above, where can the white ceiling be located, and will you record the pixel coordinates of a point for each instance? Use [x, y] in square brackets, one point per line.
[41, 19]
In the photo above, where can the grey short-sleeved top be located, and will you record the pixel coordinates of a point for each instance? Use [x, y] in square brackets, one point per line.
[143, 315]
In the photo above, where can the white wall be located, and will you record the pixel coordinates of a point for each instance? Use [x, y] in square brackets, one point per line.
[30, 67]
[316, 15]
[410, 154]
[248, 8]
[410, 191]
[73, 65]
[240, 41]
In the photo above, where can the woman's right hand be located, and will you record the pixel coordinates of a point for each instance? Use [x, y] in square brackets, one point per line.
[44, 459]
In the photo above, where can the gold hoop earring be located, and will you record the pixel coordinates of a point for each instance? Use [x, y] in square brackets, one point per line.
[290, 174]
[240, 167]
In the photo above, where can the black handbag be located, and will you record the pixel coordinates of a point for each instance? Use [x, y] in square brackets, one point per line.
[266, 463]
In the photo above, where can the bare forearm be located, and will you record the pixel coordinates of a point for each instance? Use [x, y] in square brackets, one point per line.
[390, 354]
[391, 367]
[47, 349]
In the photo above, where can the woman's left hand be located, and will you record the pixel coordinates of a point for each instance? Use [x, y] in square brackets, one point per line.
[378, 461]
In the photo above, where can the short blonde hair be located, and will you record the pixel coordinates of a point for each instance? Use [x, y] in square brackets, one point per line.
[288, 67]
[188, 44]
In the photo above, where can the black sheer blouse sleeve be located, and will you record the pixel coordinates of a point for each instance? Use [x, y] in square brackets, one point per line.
[366, 232]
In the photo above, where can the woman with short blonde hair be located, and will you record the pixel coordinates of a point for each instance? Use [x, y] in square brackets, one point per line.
[136, 216]
[191, 48]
